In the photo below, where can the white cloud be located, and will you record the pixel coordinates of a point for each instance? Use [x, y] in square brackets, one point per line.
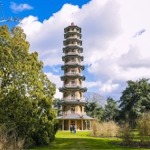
[91, 84]
[108, 87]
[55, 79]
[28, 24]
[58, 94]
[110, 49]
[19, 7]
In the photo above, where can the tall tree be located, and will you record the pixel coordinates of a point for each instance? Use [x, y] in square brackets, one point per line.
[110, 110]
[135, 99]
[94, 110]
[26, 93]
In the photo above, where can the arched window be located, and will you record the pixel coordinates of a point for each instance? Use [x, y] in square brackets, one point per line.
[72, 95]
[72, 82]
[81, 109]
[72, 71]
[72, 109]
[73, 60]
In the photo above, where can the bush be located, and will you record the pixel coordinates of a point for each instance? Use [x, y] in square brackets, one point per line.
[143, 125]
[105, 129]
[127, 134]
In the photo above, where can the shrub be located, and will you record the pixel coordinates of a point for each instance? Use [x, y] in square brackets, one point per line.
[143, 125]
[127, 134]
[105, 129]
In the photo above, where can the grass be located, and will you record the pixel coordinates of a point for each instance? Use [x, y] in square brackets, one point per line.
[82, 141]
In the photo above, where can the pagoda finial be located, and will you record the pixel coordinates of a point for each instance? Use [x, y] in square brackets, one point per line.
[72, 23]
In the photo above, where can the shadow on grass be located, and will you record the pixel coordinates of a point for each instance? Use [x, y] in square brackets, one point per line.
[83, 144]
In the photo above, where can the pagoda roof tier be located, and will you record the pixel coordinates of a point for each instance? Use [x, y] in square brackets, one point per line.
[72, 34]
[72, 55]
[73, 102]
[72, 41]
[72, 65]
[71, 47]
[72, 75]
[75, 116]
[72, 87]
[71, 28]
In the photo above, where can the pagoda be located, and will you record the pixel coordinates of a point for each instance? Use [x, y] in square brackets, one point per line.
[73, 101]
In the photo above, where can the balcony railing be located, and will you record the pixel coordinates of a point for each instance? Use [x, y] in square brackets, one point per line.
[73, 99]
[70, 112]
[72, 37]
[72, 53]
[72, 63]
[67, 113]
[72, 85]
[73, 44]
[75, 30]
[73, 73]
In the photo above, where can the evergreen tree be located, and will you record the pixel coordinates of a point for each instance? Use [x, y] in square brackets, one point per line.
[94, 110]
[110, 110]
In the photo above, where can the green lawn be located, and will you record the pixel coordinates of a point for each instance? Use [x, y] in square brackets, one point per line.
[82, 141]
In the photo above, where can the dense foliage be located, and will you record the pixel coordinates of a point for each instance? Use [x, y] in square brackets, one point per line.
[25, 91]
[135, 100]
[94, 110]
[110, 110]
[107, 113]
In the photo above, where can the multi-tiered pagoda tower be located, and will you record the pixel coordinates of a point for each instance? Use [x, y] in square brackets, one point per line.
[73, 101]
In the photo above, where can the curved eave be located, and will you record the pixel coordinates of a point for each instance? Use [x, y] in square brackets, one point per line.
[72, 39]
[72, 56]
[72, 33]
[72, 76]
[73, 102]
[65, 49]
[75, 116]
[64, 89]
[66, 42]
[72, 66]
[72, 27]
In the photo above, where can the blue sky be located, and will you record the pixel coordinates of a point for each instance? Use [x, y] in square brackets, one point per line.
[41, 8]
[115, 33]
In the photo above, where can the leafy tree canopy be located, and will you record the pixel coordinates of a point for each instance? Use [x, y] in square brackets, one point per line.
[93, 109]
[110, 110]
[135, 99]
[25, 91]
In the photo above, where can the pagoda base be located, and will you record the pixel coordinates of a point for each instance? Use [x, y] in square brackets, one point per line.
[81, 122]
